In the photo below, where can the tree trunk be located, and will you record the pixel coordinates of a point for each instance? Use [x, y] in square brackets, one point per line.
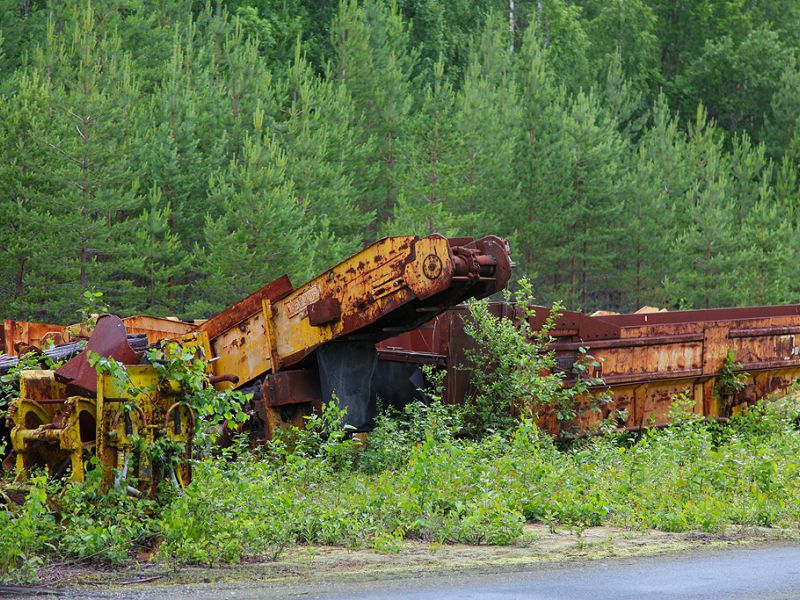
[511, 23]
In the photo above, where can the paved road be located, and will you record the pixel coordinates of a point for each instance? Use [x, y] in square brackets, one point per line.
[769, 573]
[752, 573]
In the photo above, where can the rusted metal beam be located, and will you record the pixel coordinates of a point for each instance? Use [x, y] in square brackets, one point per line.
[391, 286]
[247, 308]
[704, 315]
[296, 386]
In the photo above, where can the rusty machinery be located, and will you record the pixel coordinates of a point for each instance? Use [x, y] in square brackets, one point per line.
[294, 348]
[298, 348]
[20, 337]
[66, 416]
[645, 359]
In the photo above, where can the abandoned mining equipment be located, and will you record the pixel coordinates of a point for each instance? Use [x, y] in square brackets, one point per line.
[293, 348]
[644, 359]
[23, 337]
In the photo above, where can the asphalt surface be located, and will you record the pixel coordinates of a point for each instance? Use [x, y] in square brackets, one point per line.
[754, 573]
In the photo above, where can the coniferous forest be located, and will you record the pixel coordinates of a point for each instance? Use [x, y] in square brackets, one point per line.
[178, 154]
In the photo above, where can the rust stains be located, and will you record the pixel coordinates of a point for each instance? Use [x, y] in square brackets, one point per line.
[110, 340]
[646, 358]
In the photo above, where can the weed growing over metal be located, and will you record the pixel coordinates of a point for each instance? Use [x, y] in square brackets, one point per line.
[731, 379]
[184, 366]
[514, 372]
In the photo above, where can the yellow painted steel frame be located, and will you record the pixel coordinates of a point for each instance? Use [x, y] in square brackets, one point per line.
[387, 274]
[365, 286]
[57, 433]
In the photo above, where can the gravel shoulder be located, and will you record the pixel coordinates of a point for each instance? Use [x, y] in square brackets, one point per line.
[303, 568]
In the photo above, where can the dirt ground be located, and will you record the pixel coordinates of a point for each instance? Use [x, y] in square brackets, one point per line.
[309, 564]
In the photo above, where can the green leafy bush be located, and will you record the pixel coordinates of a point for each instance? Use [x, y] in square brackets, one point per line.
[387, 445]
[103, 525]
[28, 534]
[513, 370]
[227, 514]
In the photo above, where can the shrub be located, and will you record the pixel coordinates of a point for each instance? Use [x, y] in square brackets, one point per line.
[27, 533]
[103, 525]
[387, 444]
[229, 512]
[315, 486]
[513, 370]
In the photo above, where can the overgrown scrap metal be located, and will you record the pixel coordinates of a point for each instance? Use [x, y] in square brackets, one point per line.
[294, 348]
[362, 330]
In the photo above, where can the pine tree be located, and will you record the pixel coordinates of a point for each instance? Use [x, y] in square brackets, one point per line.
[571, 192]
[533, 222]
[768, 272]
[658, 180]
[487, 129]
[592, 202]
[578, 207]
[623, 102]
[706, 257]
[151, 273]
[751, 176]
[85, 128]
[184, 139]
[321, 147]
[30, 254]
[372, 61]
[429, 179]
[261, 231]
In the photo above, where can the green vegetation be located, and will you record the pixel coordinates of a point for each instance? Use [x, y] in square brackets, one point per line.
[471, 474]
[417, 479]
[514, 372]
[445, 489]
[181, 154]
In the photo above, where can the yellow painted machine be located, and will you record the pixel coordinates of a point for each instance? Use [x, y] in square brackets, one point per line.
[63, 418]
[293, 348]
[62, 432]
[296, 348]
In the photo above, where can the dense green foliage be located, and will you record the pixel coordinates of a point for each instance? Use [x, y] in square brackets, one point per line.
[180, 154]
[473, 473]
[417, 480]
[441, 488]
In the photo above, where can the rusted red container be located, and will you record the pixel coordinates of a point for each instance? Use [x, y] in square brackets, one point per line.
[645, 359]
